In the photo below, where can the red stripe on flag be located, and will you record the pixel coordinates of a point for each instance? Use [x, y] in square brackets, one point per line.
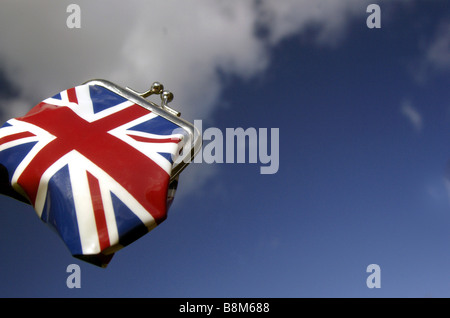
[72, 95]
[155, 140]
[99, 212]
[20, 135]
[113, 155]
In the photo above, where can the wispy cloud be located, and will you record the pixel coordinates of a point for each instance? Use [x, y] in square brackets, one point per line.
[438, 53]
[412, 115]
[435, 56]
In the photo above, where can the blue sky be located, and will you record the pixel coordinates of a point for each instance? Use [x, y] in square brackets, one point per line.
[363, 117]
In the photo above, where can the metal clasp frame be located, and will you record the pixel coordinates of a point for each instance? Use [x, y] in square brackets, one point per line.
[193, 142]
[166, 96]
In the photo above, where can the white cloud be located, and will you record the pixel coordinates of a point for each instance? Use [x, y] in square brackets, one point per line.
[183, 44]
[413, 116]
[327, 17]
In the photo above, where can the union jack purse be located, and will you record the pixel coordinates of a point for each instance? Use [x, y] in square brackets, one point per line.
[99, 163]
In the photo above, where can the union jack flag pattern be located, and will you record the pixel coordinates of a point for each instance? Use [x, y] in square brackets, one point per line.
[94, 165]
